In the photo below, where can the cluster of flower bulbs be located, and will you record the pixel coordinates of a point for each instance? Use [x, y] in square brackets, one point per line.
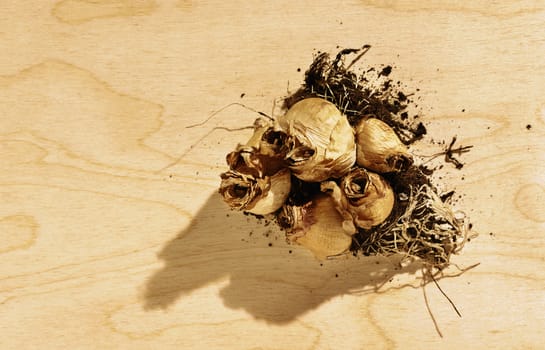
[314, 142]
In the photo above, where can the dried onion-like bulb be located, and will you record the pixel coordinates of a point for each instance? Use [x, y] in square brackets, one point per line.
[365, 199]
[317, 226]
[379, 148]
[259, 196]
[322, 144]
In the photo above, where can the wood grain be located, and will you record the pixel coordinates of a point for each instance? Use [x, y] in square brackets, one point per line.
[113, 236]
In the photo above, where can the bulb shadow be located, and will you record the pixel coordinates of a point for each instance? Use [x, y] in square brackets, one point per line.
[268, 278]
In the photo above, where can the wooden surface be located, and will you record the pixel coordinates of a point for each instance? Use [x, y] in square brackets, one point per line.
[113, 236]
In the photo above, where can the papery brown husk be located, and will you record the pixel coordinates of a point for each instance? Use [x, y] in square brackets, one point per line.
[379, 148]
[263, 154]
[323, 144]
[259, 196]
[317, 226]
[369, 203]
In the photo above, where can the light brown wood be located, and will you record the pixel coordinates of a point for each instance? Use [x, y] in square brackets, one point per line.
[113, 236]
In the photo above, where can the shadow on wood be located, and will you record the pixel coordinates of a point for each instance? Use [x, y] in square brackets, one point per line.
[268, 278]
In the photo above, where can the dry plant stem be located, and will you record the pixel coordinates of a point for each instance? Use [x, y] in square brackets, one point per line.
[363, 50]
[444, 294]
[461, 270]
[449, 153]
[213, 114]
[430, 312]
[427, 273]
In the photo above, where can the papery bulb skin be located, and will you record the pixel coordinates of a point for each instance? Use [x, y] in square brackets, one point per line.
[318, 227]
[364, 199]
[378, 148]
[259, 196]
[322, 140]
